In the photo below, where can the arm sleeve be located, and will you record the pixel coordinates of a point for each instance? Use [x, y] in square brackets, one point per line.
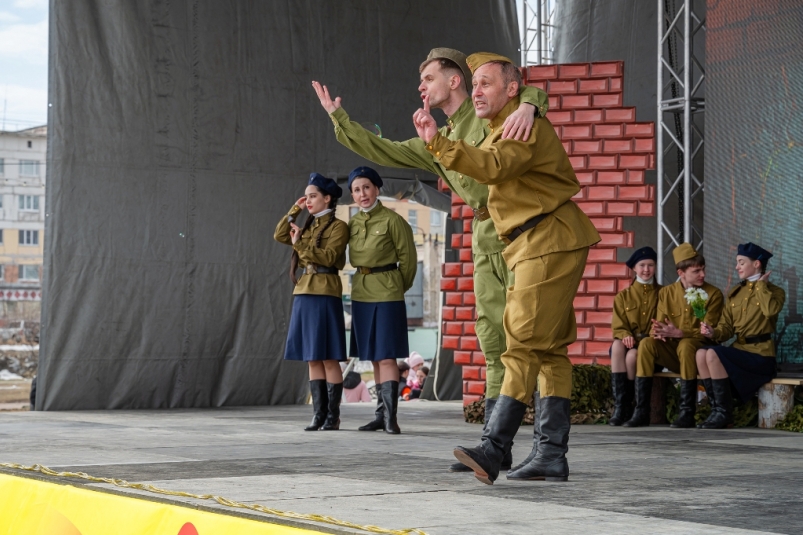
[770, 300]
[724, 330]
[282, 232]
[536, 97]
[504, 160]
[405, 250]
[410, 154]
[324, 256]
[619, 325]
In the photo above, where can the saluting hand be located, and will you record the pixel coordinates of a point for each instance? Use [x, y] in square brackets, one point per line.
[518, 124]
[302, 202]
[424, 123]
[323, 95]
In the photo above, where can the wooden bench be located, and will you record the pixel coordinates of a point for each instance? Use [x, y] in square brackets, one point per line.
[775, 399]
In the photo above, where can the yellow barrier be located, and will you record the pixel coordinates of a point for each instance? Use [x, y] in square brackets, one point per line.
[31, 507]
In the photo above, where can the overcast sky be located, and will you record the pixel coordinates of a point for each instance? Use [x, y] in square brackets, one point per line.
[23, 63]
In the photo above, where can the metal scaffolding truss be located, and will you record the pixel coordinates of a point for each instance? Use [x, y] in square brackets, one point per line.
[537, 31]
[680, 141]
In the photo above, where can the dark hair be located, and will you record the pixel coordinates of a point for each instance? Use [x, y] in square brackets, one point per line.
[318, 237]
[695, 261]
[403, 367]
[447, 67]
[425, 369]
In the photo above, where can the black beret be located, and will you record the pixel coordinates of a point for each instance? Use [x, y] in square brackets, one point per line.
[326, 185]
[751, 250]
[365, 172]
[645, 253]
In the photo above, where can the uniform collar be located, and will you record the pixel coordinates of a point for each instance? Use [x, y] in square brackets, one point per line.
[503, 114]
[371, 209]
[647, 282]
[322, 213]
[465, 109]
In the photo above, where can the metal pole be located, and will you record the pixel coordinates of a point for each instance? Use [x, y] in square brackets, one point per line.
[659, 141]
[687, 149]
[538, 11]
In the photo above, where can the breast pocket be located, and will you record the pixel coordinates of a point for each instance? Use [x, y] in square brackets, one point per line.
[377, 237]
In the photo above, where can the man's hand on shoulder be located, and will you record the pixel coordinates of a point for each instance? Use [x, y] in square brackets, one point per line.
[323, 95]
[519, 124]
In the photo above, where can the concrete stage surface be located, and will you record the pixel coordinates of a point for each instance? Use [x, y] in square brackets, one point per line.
[652, 480]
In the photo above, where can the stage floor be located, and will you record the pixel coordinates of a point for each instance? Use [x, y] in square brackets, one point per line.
[651, 480]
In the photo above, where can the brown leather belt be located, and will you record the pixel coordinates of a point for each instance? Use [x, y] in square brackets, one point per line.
[312, 269]
[766, 337]
[380, 269]
[518, 231]
[481, 213]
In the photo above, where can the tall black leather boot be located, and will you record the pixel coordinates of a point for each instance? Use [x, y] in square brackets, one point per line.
[550, 461]
[507, 461]
[379, 415]
[536, 433]
[724, 415]
[390, 396]
[622, 401]
[320, 404]
[712, 402]
[486, 458]
[688, 405]
[641, 416]
[335, 392]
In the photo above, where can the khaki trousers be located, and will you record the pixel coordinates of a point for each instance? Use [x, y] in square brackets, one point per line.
[677, 354]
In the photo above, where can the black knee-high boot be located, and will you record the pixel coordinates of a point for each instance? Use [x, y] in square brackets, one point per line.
[536, 434]
[390, 395]
[507, 461]
[335, 394]
[724, 416]
[712, 402]
[688, 404]
[320, 404]
[486, 459]
[550, 461]
[623, 398]
[379, 415]
[641, 416]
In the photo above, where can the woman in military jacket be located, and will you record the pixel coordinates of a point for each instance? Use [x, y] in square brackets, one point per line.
[317, 331]
[750, 314]
[633, 309]
[382, 250]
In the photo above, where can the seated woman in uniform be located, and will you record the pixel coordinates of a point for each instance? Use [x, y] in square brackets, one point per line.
[633, 309]
[317, 331]
[382, 250]
[750, 314]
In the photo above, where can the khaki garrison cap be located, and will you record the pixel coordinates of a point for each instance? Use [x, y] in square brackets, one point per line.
[478, 59]
[682, 252]
[453, 55]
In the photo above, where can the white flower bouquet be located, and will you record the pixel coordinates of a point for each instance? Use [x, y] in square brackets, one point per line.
[697, 298]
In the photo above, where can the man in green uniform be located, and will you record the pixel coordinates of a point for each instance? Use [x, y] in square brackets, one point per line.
[446, 82]
[676, 338]
[531, 184]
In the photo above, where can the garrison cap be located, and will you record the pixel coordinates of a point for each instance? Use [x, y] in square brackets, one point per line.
[365, 172]
[478, 59]
[326, 185]
[682, 252]
[645, 253]
[751, 250]
[452, 55]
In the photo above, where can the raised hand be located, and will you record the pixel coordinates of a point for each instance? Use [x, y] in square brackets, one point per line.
[302, 202]
[323, 95]
[765, 277]
[295, 233]
[424, 123]
[519, 123]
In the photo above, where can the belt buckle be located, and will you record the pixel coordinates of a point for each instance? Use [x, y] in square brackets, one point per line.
[364, 270]
[311, 269]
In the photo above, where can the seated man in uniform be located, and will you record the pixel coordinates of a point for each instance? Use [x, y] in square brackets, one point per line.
[676, 337]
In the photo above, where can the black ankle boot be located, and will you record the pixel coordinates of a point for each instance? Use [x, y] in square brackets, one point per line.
[536, 434]
[320, 404]
[550, 461]
[688, 405]
[390, 396]
[335, 393]
[712, 402]
[623, 400]
[641, 416]
[508, 458]
[486, 458]
[724, 415]
[379, 415]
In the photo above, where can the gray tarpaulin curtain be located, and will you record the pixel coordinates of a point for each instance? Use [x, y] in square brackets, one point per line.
[179, 133]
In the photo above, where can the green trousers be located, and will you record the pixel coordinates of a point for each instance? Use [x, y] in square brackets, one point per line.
[492, 278]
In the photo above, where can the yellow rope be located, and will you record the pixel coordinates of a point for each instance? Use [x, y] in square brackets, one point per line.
[222, 501]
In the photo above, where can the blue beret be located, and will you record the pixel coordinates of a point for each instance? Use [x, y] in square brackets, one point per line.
[645, 253]
[751, 250]
[365, 172]
[326, 185]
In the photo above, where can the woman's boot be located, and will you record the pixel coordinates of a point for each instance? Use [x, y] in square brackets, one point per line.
[320, 404]
[622, 402]
[379, 415]
[688, 404]
[390, 395]
[712, 402]
[641, 416]
[550, 462]
[335, 394]
[724, 416]
[536, 434]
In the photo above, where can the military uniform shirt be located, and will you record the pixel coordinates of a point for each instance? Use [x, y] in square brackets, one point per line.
[526, 179]
[633, 310]
[672, 304]
[412, 154]
[378, 238]
[752, 309]
[331, 253]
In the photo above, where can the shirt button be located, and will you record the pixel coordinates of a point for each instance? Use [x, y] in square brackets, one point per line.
[437, 153]
[473, 142]
[429, 147]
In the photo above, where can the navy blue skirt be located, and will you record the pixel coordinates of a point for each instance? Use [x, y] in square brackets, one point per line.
[317, 329]
[379, 330]
[747, 371]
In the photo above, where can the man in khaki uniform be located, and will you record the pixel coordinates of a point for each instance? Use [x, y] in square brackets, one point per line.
[676, 338]
[531, 184]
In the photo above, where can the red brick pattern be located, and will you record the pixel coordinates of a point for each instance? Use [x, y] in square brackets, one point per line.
[609, 151]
